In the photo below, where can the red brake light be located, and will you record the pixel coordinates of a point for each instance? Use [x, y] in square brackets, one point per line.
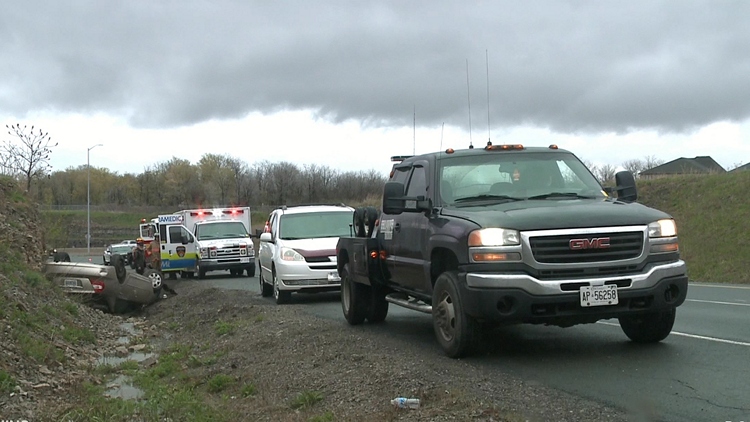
[98, 286]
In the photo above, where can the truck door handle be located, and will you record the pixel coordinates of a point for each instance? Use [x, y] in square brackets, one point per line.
[397, 227]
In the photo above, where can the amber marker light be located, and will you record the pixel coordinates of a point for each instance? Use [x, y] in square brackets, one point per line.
[496, 256]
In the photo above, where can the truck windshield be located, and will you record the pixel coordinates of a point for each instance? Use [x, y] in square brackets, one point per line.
[535, 176]
[223, 230]
[315, 225]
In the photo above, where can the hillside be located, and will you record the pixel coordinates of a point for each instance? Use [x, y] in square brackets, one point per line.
[712, 222]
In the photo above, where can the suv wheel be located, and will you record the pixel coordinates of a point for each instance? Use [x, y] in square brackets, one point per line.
[280, 296]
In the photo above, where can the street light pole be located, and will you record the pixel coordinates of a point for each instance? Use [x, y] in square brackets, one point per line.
[88, 199]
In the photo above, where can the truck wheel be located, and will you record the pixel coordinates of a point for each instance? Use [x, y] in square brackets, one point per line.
[119, 266]
[250, 271]
[355, 298]
[652, 327]
[280, 296]
[201, 272]
[266, 290]
[378, 306]
[455, 331]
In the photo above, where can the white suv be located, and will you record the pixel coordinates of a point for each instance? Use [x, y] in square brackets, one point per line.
[298, 249]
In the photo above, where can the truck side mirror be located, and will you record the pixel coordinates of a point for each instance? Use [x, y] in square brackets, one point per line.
[626, 190]
[393, 198]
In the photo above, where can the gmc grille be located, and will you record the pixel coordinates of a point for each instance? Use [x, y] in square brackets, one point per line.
[556, 249]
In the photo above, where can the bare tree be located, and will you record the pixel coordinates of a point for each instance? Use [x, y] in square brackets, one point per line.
[634, 166]
[650, 161]
[605, 173]
[31, 157]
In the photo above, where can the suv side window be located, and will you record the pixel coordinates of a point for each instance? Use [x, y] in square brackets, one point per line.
[417, 183]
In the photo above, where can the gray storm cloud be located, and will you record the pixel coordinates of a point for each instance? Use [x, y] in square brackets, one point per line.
[575, 66]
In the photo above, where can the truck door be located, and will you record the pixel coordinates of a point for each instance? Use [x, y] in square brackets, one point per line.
[178, 250]
[408, 247]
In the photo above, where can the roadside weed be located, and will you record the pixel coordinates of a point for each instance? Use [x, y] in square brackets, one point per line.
[224, 327]
[306, 399]
[219, 382]
[249, 390]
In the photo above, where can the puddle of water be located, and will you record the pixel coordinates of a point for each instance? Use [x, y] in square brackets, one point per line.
[129, 328]
[121, 387]
[115, 360]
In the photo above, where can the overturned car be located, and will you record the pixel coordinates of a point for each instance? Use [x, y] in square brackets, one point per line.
[109, 286]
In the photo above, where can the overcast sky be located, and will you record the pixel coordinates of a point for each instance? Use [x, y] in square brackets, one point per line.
[342, 83]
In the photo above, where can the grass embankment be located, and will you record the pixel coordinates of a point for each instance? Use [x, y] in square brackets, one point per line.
[713, 222]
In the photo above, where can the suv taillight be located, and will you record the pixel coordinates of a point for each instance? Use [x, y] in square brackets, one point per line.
[98, 286]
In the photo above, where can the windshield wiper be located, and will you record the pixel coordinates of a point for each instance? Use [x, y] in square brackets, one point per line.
[485, 197]
[561, 195]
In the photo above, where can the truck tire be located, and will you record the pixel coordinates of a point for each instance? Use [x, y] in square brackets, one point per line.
[652, 327]
[371, 217]
[201, 272]
[378, 306]
[119, 265]
[456, 331]
[355, 298]
[358, 222]
[266, 290]
[280, 296]
[250, 271]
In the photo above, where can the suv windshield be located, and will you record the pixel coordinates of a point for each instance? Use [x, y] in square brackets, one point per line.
[510, 176]
[223, 230]
[315, 224]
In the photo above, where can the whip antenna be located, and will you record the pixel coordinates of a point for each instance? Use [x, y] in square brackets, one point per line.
[487, 60]
[468, 96]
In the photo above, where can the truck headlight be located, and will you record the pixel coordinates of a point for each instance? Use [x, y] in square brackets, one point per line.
[662, 228]
[494, 237]
[289, 254]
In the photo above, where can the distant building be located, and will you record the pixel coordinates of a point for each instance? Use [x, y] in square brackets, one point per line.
[682, 165]
[741, 168]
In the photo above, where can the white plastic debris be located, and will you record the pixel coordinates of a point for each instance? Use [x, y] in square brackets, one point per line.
[405, 403]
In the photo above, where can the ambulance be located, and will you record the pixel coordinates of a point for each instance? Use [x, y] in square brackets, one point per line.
[179, 250]
[222, 239]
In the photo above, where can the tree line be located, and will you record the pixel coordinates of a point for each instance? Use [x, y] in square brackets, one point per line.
[214, 180]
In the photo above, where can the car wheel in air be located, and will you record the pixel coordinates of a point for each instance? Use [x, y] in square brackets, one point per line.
[651, 327]
[456, 331]
[280, 296]
[355, 298]
[155, 277]
[119, 266]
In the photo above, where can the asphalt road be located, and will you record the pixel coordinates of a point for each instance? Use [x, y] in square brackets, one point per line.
[699, 373]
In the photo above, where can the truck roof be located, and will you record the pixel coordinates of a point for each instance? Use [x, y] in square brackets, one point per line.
[490, 149]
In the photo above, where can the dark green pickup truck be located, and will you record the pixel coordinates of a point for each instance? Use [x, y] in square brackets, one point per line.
[506, 235]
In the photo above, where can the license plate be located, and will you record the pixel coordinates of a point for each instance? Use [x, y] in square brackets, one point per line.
[244, 260]
[334, 276]
[599, 295]
[71, 283]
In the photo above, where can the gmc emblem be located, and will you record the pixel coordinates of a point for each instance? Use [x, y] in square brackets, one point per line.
[595, 243]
